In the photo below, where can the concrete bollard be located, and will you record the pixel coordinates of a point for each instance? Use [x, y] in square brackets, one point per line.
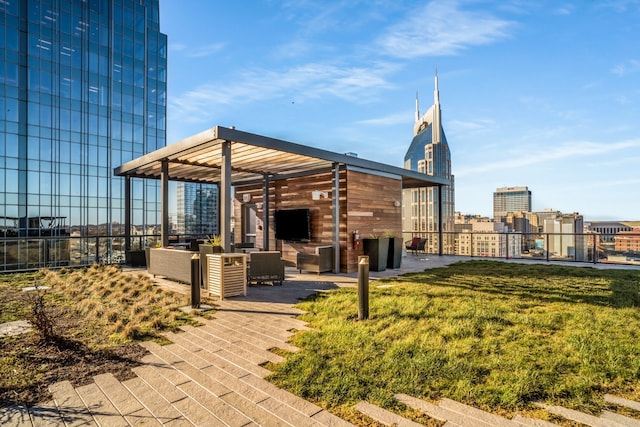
[363, 287]
[195, 281]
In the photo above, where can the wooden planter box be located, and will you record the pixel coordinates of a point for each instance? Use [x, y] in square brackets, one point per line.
[205, 250]
[227, 275]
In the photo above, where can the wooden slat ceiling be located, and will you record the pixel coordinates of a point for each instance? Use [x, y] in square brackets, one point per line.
[198, 159]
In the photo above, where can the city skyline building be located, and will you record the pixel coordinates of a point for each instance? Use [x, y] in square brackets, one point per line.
[565, 234]
[429, 153]
[509, 200]
[83, 90]
[197, 206]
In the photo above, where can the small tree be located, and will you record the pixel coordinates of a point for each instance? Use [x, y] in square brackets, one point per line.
[40, 318]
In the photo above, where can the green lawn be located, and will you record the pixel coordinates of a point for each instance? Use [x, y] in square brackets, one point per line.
[494, 335]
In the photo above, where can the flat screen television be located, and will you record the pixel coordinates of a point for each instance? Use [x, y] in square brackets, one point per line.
[293, 225]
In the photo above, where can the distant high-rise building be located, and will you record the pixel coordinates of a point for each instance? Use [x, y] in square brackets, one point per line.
[197, 206]
[565, 235]
[510, 199]
[83, 90]
[429, 153]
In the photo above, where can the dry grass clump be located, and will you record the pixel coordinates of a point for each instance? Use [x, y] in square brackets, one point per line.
[126, 307]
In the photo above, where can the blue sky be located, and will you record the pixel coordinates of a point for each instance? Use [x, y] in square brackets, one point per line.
[538, 93]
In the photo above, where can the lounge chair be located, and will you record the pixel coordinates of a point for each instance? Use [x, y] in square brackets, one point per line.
[416, 244]
[265, 266]
[318, 262]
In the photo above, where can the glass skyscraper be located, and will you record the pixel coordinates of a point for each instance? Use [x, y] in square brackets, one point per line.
[82, 90]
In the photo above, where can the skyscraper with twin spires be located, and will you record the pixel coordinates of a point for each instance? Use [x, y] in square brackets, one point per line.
[429, 153]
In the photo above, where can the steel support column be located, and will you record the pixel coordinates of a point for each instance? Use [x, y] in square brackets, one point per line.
[440, 233]
[164, 190]
[225, 196]
[336, 217]
[127, 213]
[265, 213]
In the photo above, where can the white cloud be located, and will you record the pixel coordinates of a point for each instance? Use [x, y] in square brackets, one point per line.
[566, 9]
[568, 150]
[473, 125]
[620, 6]
[304, 82]
[196, 52]
[177, 47]
[202, 51]
[400, 118]
[629, 67]
[442, 28]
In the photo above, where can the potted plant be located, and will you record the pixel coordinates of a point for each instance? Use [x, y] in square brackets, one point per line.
[211, 245]
[394, 255]
[376, 248]
[135, 256]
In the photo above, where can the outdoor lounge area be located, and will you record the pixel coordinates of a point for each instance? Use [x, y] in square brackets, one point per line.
[287, 197]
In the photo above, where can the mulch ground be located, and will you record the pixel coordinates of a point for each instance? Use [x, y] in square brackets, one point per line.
[61, 358]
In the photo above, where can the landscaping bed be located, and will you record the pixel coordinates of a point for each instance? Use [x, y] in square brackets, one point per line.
[96, 316]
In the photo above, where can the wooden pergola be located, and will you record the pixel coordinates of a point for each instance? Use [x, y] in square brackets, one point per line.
[228, 157]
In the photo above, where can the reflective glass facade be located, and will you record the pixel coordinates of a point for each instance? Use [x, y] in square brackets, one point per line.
[197, 209]
[82, 90]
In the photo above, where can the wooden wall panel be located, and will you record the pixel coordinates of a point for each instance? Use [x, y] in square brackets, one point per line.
[366, 204]
[371, 210]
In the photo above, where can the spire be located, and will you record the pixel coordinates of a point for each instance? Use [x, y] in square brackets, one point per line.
[437, 124]
[417, 108]
[436, 92]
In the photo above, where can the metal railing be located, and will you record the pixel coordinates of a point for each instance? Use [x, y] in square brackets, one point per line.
[33, 253]
[577, 247]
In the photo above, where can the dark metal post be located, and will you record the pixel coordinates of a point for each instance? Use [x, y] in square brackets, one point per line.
[127, 213]
[335, 205]
[547, 246]
[164, 204]
[195, 281]
[440, 231]
[265, 213]
[225, 195]
[506, 235]
[363, 287]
